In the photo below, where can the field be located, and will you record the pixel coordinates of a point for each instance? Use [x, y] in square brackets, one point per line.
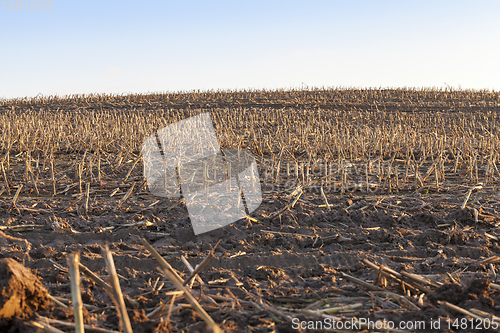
[380, 209]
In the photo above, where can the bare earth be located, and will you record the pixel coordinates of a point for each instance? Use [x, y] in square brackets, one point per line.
[270, 273]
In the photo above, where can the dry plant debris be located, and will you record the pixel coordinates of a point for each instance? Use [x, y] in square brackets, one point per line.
[380, 206]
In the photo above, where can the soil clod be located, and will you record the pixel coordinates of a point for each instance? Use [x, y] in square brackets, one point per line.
[21, 292]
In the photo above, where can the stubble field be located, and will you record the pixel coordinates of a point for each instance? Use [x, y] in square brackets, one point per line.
[380, 208]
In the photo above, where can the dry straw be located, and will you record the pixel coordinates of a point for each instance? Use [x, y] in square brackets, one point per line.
[116, 293]
[73, 261]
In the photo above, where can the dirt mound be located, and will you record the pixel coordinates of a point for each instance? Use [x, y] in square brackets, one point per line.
[21, 292]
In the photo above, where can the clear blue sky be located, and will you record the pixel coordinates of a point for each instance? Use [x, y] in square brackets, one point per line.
[82, 47]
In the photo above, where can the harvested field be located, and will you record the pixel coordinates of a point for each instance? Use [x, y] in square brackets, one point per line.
[379, 207]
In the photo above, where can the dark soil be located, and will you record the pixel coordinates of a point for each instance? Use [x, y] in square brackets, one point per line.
[290, 262]
[266, 274]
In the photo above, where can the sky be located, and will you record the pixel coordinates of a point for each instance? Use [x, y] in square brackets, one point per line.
[121, 47]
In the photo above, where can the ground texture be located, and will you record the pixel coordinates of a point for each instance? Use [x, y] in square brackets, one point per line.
[408, 241]
[297, 261]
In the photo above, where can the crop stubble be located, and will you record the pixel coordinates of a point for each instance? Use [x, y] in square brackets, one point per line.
[407, 178]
